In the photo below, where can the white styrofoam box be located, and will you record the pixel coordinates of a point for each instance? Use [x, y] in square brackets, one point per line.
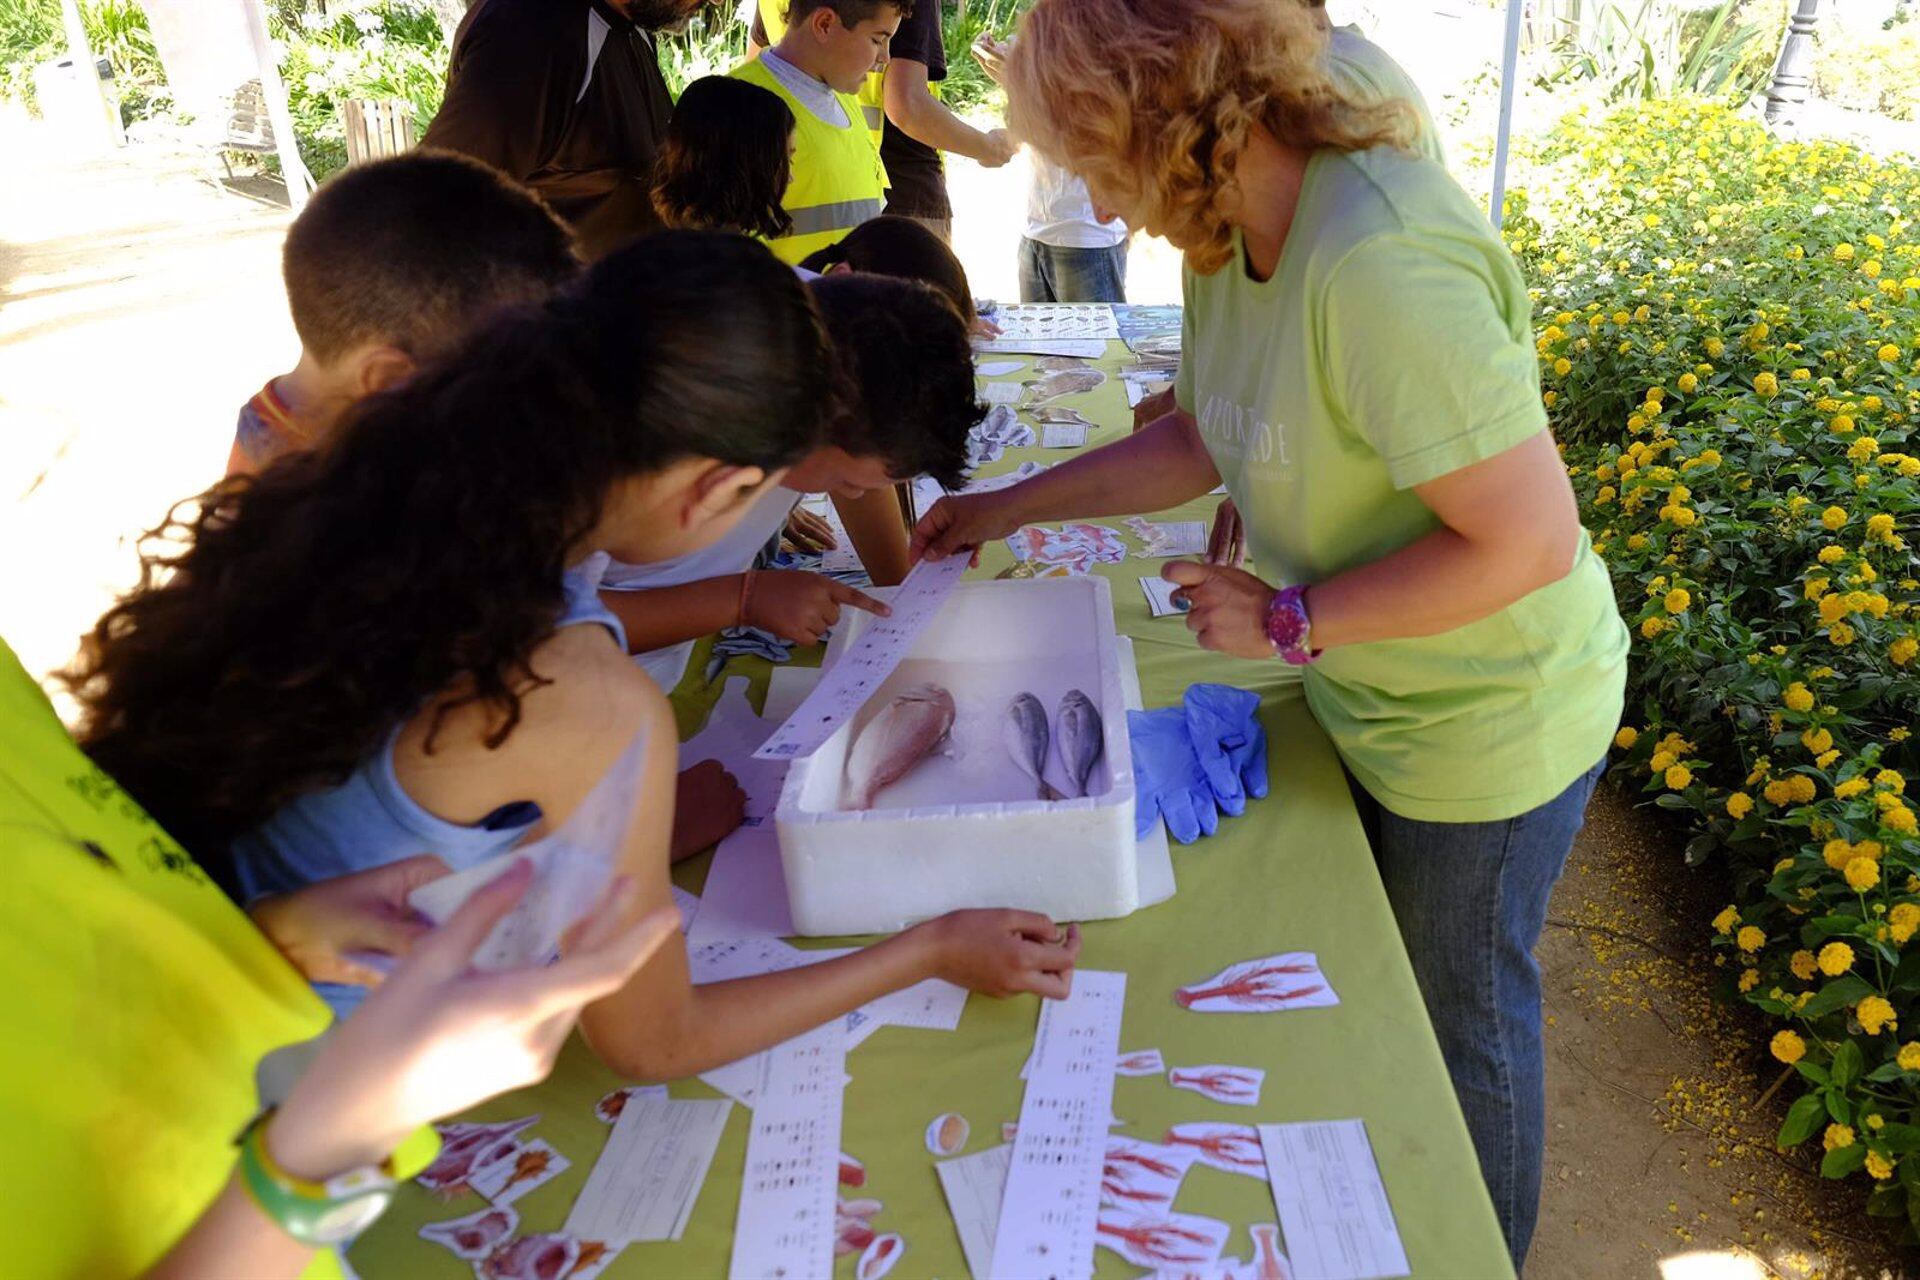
[965, 828]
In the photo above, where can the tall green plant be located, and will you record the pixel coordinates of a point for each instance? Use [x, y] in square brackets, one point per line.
[1660, 48]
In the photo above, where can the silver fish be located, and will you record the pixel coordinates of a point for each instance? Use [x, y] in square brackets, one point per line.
[1058, 364]
[896, 740]
[1025, 732]
[1080, 737]
[1067, 382]
[1054, 413]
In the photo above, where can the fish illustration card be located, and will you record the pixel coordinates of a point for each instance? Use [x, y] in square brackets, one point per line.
[1141, 1062]
[1236, 1086]
[1291, 980]
[476, 1235]
[514, 1174]
[1230, 1148]
[999, 368]
[1162, 1240]
[1143, 1175]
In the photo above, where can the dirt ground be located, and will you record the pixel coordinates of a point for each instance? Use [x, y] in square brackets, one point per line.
[139, 305]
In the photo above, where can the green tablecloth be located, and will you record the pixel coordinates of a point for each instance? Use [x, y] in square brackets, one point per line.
[1294, 874]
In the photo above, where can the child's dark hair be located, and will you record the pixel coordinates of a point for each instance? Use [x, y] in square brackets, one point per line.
[905, 368]
[850, 12]
[296, 617]
[891, 246]
[413, 251]
[724, 164]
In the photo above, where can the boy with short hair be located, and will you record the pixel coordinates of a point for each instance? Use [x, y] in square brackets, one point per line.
[817, 68]
[390, 265]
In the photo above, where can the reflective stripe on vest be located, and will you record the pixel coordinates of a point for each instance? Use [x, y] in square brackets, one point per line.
[838, 181]
[842, 216]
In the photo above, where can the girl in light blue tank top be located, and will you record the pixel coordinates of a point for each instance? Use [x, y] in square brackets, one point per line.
[359, 639]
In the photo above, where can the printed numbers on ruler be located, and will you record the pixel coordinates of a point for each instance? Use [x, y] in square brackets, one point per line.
[1049, 1215]
[785, 1227]
[867, 662]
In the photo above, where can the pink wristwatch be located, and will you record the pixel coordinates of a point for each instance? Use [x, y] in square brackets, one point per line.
[1289, 629]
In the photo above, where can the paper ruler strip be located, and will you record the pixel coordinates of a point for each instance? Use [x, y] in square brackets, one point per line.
[1049, 1213]
[785, 1227]
[866, 663]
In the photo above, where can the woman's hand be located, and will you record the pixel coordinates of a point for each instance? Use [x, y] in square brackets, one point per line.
[439, 1037]
[1229, 607]
[1227, 543]
[708, 806]
[809, 533]
[1004, 953]
[800, 606]
[322, 928]
[964, 523]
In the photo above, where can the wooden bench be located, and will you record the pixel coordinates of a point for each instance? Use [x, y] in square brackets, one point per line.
[249, 127]
[376, 127]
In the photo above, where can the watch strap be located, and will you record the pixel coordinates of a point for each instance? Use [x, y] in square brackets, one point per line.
[1289, 629]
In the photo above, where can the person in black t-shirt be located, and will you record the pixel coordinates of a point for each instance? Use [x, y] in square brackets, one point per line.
[565, 96]
[919, 126]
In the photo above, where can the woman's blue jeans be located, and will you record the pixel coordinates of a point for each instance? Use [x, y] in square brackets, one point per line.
[1471, 899]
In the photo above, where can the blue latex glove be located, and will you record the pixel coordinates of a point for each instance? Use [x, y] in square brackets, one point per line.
[1229, 742]
[1167, 778]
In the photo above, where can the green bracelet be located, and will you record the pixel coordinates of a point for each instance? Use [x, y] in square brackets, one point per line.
[314, 1213]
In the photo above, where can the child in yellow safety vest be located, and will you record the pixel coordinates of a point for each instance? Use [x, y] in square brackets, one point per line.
[817, 68]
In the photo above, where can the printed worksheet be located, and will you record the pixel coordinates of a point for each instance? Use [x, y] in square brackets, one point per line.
[1049, 1216]
[974, 1186]
[1333, 1207]
[1085, 348]
[1002, 392]
[648, 1176]
[787, 1222]
[1056, 320]
[1160, 601]
[1062, 435]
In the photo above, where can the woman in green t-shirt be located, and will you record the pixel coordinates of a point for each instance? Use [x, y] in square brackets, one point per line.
[1358, 369]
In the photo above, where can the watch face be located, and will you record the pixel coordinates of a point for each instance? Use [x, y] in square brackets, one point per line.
[349, 1218]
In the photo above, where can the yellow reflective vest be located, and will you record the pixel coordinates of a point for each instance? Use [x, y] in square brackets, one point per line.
[838, 180]
[138, 1001]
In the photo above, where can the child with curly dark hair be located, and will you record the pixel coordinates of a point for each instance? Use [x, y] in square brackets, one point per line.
[906, 405]
[726, 160]
[382, 648]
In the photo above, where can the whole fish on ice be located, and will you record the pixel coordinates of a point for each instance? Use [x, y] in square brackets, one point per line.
[1025, 732]
[1080, 738]
[896, 740]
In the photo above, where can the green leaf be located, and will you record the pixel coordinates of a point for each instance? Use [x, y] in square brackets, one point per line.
[1909, 1174]
[1837, 1105]
[1846, 1160]
[1812, 1071]
[1888, 1200]
[1803, 1117]
[1838, 994]
[1847, 1061]
[1900, 1138]
[1907, 976]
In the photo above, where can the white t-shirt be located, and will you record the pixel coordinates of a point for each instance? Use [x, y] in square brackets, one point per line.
[732, 553]
[1060, 213]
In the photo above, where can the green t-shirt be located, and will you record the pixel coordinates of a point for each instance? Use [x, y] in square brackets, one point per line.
[1364, 69]
[138, 1002]
[1391, 347]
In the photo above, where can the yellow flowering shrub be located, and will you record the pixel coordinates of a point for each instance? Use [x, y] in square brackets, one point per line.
[1757, 525]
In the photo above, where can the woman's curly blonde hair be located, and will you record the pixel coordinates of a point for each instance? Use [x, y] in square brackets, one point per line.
[1152, 101]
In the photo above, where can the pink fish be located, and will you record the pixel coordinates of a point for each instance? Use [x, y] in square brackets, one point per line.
[1237, 1085]
[467, 1147]
[1141, 1062]
[1160, 1240]
[1231, 1148]
[1260, 986]
[543, 1257]
[474, 1236]
[893, 742]
[1268, 1262]
[852, 1172]
[879, 1257]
